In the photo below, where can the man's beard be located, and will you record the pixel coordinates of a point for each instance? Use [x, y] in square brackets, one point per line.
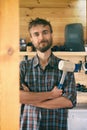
[46, 47]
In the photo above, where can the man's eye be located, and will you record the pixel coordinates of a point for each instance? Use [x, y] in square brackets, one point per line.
[45, 32]
[36, 34]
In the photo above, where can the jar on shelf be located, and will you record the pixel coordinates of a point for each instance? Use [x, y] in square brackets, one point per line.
[22, 44]
[29, 47]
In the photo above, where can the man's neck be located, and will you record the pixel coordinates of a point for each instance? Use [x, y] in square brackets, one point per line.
[44, 57]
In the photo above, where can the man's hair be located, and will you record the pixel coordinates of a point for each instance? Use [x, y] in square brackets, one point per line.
[39, 21]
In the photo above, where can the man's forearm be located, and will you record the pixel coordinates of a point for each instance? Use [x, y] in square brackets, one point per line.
[60, 102]
[27, 97]
[34, 97]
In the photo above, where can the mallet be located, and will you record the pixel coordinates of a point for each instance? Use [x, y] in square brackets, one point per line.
[65, 66]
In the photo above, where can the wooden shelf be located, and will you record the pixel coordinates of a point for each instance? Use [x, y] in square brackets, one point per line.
[81, 97]
[31, 54]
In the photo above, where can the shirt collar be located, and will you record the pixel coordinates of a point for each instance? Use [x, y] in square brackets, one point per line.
[52, 60]
[36, 60]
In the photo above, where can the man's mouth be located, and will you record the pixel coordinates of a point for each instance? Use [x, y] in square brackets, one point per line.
[43, 42]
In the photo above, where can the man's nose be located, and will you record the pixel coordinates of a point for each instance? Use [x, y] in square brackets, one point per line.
[41, 37]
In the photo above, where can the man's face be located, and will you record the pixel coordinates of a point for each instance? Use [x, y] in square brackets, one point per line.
[41, 37]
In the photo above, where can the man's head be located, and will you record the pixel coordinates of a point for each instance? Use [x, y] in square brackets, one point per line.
[39, 21]
[41, 34]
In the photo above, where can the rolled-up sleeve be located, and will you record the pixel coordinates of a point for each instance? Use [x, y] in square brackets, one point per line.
[70, 88]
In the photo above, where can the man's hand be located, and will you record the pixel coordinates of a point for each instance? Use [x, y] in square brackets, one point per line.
[56, 92]
[25, 88]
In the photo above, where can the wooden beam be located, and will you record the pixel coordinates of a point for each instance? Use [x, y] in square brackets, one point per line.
[9, 65]
[51, 3]
[43, 3]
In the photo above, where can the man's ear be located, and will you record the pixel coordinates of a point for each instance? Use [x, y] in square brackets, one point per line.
[30, 38]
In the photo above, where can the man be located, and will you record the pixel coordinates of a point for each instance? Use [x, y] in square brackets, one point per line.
[45, 106]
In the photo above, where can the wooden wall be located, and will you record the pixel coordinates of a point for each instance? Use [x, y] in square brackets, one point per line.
[9, 65]
[58, 12]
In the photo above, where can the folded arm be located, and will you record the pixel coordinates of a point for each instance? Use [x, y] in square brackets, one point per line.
[59, 102]
[27, 97]
[50, 100]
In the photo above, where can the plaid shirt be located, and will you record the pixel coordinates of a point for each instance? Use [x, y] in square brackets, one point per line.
[39, 80]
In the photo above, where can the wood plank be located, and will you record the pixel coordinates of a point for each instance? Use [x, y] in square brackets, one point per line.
[68, 54]
[58, 17]
[43, 3]
[9, 65]
[81, 78]
[51, 3]
[53, 12]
